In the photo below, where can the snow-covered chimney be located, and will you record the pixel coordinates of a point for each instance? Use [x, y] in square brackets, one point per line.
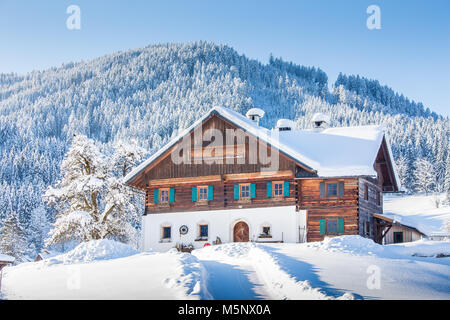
[320, 121]
[285, 125]
[255, 114]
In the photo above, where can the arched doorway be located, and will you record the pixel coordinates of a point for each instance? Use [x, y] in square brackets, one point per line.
[240, 232]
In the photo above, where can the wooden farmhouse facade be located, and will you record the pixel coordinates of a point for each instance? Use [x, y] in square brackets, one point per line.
[226, 179]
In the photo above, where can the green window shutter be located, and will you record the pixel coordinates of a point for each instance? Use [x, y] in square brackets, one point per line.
[286, 189]
[341, 189]
[322, 226]
[252, 190]
[155, 195]
[341, 225]
[322, 189]
[269, 189]
[194, 194]
[171, 195]
[210, 192]
[236, 192]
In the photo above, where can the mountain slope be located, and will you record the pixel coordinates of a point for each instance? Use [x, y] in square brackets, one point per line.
[149, 94]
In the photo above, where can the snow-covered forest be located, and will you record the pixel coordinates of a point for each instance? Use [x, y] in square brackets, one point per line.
[150, 94]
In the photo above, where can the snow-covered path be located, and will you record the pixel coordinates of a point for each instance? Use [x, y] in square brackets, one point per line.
[231, 281]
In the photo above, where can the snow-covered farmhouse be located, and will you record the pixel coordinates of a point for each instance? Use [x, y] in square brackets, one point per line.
[228, 179]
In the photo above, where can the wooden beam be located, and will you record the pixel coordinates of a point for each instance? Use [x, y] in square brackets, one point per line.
[184, 180]
[259, 175]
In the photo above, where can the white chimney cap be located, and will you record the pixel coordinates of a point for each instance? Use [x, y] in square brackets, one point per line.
[320, 117]
[285, 123]
[255, 112]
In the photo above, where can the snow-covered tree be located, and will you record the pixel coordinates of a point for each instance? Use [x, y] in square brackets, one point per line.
[127, 156]
[12, 238]
[425, 177]
[402, 169]
[91, 202]
[38, 228]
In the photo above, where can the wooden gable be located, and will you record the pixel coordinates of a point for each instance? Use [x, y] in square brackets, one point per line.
[164, 167]
[385, 170]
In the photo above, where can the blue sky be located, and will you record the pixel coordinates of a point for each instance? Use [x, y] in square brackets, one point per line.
[411, 52]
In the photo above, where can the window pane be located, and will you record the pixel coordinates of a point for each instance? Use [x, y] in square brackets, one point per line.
[202, 193]
[245, 191]
[164, 196]
[204, 231]
[166, 232]
[278, 189]
[266, 231]
[332, 226]
[332, 189]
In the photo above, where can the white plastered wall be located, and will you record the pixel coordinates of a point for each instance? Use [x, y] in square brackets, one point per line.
[284, 224]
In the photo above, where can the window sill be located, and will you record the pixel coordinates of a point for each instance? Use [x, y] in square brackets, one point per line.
[244, 201]
[165, 240]
[265, 236]
[202, 203]
[163, 205]
[201, 239]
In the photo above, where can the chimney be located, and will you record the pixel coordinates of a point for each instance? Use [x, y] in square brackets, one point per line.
[320, 121]
[255, 114]
[285, 125]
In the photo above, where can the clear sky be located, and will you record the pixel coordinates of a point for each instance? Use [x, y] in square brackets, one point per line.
[410, 53]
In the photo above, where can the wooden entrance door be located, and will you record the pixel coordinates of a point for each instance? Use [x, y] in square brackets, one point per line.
[240, 232]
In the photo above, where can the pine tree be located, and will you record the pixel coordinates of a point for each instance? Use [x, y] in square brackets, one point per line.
[38, 228]
[425, 177]
[12, 238]
[402, 169]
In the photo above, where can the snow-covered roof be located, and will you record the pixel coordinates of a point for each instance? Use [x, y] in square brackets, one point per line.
[333, 152]
[6, 258]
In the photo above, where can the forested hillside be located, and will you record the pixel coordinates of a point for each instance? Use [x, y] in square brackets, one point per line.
[151, 94]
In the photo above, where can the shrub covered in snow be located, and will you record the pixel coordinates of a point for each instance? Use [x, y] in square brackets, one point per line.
[349, 244]
[94, 250]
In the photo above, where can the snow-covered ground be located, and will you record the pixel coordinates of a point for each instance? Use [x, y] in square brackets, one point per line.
[418, 211]
[348, 267]
[107, 270]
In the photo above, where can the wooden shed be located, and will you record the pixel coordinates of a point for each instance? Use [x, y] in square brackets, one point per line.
[396, 232]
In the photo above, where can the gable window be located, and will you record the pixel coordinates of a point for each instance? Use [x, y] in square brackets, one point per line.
[245, 191]
[166, 233]
[278, 189]
[164, 195]
[202, 193]
[332, 189]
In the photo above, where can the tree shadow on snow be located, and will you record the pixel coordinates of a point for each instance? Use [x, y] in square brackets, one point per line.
[229, 282]
[302, 271]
